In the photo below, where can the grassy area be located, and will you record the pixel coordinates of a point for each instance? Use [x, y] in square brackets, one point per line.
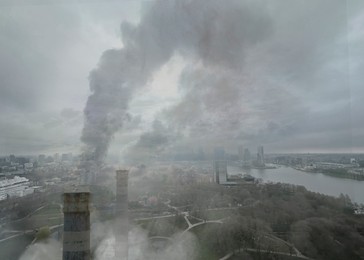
[54, 197]
[193, 220]
[261, 256]
[35, 222]
[206, 250]
[210, 231]
[164, 226]
[273, 244]
[52, 209]
[219, 214]
[199, 230]
[13, 248]
[205, 253]
[47, 216]
[145, 222]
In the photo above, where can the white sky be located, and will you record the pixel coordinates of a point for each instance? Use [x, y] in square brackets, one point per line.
[301, 88]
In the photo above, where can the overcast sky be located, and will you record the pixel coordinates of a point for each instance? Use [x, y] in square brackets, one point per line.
[285, 74]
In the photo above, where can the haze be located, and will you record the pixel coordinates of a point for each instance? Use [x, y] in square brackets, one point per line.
[287, 75]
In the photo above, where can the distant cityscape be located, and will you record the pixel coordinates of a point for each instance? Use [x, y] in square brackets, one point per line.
[31, 188]
[22, 175]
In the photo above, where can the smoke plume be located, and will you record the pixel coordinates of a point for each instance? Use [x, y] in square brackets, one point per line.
[140, 247]
[214, 33]
[51, 249]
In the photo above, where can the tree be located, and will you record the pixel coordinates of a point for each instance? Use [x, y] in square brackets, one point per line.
[43, 234]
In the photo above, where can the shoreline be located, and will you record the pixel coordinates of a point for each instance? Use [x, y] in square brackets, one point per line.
[334, 173]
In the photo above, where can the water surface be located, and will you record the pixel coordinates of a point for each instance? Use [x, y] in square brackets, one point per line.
[316, 182]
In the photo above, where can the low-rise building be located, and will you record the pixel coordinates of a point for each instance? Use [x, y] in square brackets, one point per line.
[15, 187]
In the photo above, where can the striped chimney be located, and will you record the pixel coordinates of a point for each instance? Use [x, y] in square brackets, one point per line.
[76, 236]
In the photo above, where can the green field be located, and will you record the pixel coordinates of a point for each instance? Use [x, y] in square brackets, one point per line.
[13, 248]
[164, 226]
[47, 216]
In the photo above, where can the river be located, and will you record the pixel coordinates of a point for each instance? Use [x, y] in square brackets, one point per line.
[316, 182]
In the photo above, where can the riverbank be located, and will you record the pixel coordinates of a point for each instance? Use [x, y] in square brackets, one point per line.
[338, 173]
[317, 182]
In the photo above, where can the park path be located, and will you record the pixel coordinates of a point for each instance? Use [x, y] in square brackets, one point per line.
[263, 251]
[186, 214]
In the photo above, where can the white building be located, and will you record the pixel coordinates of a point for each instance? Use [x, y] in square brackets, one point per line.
[16, 187]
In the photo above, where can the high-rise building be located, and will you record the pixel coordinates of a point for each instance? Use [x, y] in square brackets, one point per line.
[12, 158]
[241, 153]
[76, 235]
[260, 156]
[56, 157]
[220, 171]
[65, 157]
[41, 158]
[246, 158]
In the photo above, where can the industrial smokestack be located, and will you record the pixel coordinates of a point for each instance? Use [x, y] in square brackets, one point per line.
[76, 235]
[121, 212]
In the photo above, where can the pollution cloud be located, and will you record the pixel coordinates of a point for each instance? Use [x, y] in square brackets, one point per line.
[214, 33]
[252, 74]
[299, 59]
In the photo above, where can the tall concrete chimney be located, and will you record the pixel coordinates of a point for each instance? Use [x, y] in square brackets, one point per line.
[121, 211]
[76, 235]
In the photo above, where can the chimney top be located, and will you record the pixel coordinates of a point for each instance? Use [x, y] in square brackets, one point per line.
[76, 189]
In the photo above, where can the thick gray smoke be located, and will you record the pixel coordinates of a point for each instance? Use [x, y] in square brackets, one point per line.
[215, 33]
[180, 247]
[48, 250]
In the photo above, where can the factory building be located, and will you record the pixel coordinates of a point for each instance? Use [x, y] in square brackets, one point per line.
[15, 187]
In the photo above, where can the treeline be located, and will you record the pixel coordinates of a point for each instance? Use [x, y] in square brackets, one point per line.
[341, 173]
[319, 226]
